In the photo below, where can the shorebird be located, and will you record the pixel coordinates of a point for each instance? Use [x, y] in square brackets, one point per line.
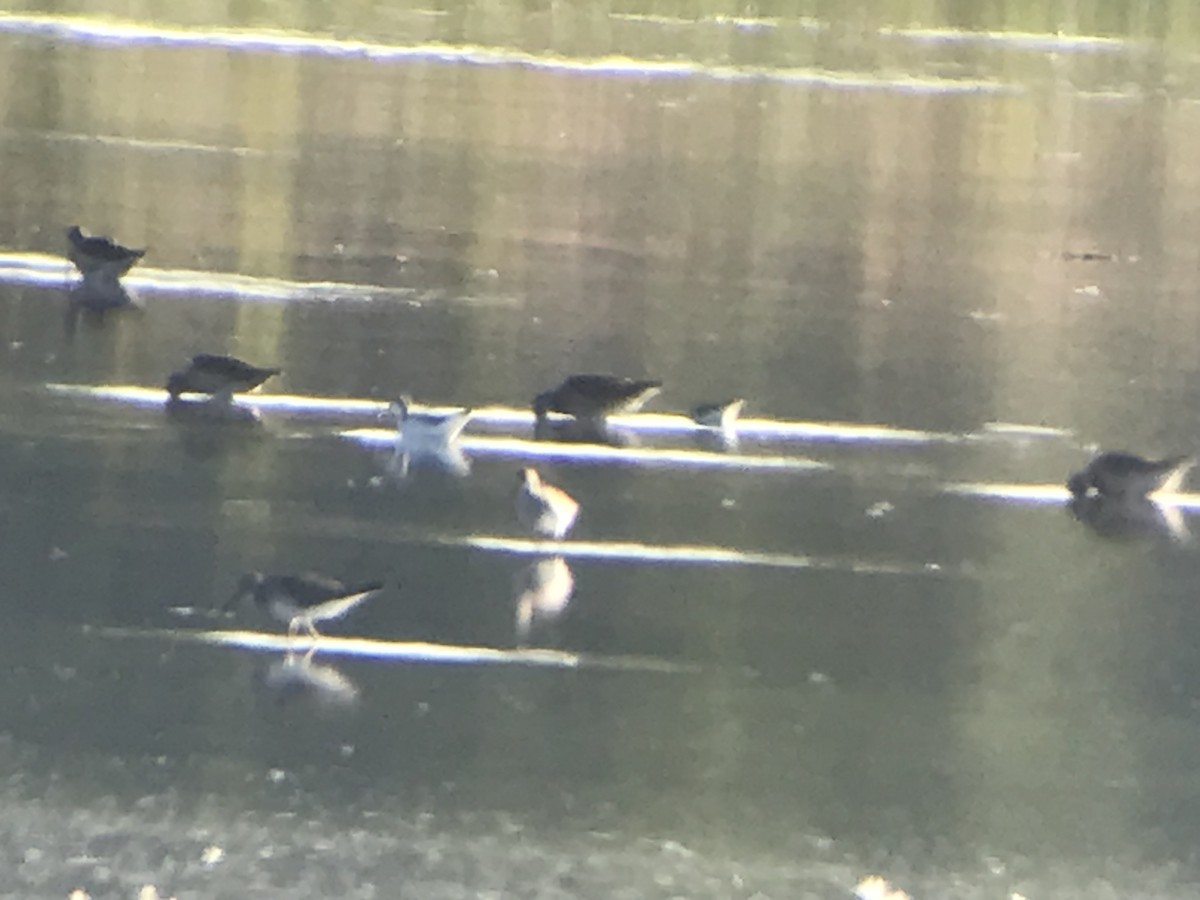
[722, 416]
[595, 396]
[545, 510]
[1118, 474]
[583, 431]
[221, 376]
[96, 253]
[301, 601]
[419, 430]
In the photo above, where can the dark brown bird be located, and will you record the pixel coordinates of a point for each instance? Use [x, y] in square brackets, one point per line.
[595, 396]
[94, 253]
[1119, 474]
[221, 376]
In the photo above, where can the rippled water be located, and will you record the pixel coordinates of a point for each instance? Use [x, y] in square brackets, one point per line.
[943, 261]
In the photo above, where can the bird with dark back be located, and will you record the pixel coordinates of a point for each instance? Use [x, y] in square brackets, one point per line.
[595, 396]
[220, 376]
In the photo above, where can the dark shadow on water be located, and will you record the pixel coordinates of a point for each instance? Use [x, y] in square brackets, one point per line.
[208, 428]
[93, 299]
[405, 465]
[1130, 520]
[584, 431]
[297, 679]
[717, 440]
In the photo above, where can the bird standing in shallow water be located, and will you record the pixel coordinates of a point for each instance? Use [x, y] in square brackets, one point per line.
[221, 376]
[545, 510]
[595, 396]
[426, 428]
[1117, 474]
[96, 253]
[427, 439]
[721, 416]
[301, 601]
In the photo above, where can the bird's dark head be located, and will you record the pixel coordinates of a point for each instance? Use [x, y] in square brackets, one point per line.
[542, 404]
[74, 235]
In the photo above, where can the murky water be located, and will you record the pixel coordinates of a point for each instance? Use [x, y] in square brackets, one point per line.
[942, 261]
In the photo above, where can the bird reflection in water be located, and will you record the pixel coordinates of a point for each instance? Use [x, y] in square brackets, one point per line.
[94, 297]
[207, 430]
[197, 411]
[297, 678]
[449, 460]
[1130, 518]
[582, 431]
[543, 589]
[1117, 474]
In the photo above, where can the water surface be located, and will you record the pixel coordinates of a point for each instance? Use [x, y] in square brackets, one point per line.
[943, 261]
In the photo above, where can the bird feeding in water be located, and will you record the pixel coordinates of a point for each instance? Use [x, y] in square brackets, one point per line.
[1117, 474]
[595, 396]
[219, 376]
[301, 601]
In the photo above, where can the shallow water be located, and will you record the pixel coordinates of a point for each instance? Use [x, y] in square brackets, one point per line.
[943, 261]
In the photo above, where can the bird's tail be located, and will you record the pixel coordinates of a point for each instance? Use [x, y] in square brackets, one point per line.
[1180, 466]
[369, 587]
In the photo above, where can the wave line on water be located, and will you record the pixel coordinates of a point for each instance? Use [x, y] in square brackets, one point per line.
[1021, 40]
[113, 32]
[1048, 493]
[650, 423]
[402, 651]
[522, 448]
[43, 269]
[695, 554]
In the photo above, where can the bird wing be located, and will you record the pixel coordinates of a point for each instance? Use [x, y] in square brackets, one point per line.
[339, 606]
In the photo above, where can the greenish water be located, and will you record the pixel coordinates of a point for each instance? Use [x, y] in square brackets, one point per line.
[783, 676]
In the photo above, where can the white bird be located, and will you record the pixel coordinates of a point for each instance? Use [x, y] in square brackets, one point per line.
[722, 416]
[301, 600]
[718, 424]
[545, 510]
[426, 430]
